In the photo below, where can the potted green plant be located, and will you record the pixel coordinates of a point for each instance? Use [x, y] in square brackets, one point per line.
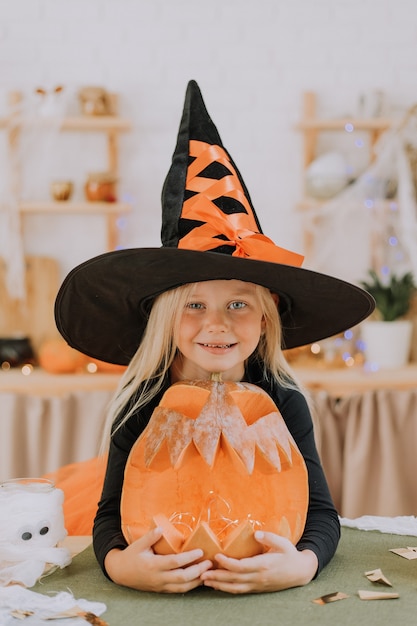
[387, 336]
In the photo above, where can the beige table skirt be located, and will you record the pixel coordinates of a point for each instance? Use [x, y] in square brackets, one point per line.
[368, 446]
[39, 434]
[48, 420]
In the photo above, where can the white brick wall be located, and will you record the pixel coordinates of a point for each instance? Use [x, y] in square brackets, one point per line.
[252, 60]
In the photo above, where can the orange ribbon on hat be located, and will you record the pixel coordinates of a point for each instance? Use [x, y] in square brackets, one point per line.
[240, 229]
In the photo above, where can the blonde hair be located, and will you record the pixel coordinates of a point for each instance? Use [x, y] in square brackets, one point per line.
[145, 375]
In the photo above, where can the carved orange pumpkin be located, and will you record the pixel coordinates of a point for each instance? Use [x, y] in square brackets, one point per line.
[215, 463]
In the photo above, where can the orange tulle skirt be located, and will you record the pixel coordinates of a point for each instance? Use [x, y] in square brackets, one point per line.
[81, 483]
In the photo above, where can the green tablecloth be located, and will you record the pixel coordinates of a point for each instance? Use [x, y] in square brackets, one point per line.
[358, 552]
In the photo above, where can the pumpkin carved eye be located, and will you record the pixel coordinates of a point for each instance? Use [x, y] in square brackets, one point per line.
[211, 441]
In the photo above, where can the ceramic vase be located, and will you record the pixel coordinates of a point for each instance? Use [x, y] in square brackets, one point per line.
[387, 344]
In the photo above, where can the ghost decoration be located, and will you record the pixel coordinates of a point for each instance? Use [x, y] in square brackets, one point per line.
[215, 463]
[31, 526]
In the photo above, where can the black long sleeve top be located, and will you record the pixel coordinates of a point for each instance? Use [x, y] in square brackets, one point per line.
[322, 529]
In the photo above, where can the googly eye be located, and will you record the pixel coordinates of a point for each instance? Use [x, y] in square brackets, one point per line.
[42, 528]
[26, 535]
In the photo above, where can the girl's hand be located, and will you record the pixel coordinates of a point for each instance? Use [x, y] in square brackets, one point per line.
[280, 567]
[140, 568]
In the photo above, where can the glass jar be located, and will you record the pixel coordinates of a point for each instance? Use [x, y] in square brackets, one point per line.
[61, 190]
[101, 187]
[94, 101]
[31, 485]
[32, 527]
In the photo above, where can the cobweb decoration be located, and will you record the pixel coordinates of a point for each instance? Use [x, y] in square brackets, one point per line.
[372, 223]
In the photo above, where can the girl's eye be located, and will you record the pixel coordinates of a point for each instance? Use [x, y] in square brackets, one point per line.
[193, 305]
[237, 305]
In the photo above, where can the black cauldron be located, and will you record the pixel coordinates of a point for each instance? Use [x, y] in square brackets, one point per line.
[16, 351]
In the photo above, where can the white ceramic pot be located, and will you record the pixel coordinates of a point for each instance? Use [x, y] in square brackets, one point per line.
[387, 344]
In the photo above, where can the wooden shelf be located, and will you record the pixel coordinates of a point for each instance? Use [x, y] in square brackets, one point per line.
[313, 204]
[106, 208]
[96, 123]
[109, 210]
[33, 316]
[310, 127]
[109, 125]
[99, 123]
[340, 124]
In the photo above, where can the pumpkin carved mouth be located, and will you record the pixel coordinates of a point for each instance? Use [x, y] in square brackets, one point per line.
[219, 424]
[238, 543]
[222, 438]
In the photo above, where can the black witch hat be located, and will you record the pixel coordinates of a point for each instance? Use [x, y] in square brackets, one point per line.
[210, 231]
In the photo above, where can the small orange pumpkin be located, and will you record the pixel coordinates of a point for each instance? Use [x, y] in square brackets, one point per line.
[215, 463]
[57, 357]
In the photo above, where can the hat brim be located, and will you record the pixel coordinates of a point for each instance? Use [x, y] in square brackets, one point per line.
[101, 307]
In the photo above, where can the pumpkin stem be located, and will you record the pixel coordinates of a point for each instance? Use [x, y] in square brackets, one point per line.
[216, 377]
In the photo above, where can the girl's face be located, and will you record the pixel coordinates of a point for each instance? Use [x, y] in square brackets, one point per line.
[219, 329]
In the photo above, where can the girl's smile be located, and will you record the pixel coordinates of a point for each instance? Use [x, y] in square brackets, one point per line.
[219, 329]
[214, 347]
